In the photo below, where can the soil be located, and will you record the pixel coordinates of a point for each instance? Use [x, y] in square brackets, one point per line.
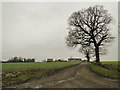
[79, 76]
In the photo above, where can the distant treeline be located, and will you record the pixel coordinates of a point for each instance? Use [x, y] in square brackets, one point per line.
[19, 59]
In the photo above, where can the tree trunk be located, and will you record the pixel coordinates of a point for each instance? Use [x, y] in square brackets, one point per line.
[88, 58]
[97, 54]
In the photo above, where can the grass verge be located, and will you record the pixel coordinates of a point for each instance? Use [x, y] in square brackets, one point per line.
[108, 70]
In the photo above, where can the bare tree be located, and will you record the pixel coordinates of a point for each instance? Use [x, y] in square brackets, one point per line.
[87, 51]
[90, 26]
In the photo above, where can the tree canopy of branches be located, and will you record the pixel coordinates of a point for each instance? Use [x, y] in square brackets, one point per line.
[90, 26]
[20, 59]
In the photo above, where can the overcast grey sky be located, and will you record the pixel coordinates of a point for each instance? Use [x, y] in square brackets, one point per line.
[119, 30]
[38, 30]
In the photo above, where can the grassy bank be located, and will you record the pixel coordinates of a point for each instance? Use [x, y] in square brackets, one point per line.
[107, 69]
[16, 73]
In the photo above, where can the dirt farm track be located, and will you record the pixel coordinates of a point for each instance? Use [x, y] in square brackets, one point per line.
[79, 76]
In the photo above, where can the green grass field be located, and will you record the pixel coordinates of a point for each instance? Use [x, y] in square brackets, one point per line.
[108, 69]
[16, 73]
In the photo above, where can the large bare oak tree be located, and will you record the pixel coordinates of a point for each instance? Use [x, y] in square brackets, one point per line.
[90, 26]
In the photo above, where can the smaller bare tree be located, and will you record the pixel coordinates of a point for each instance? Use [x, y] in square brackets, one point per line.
[88, 51]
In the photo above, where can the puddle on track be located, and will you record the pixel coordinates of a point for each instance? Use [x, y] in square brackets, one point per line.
[56, 82]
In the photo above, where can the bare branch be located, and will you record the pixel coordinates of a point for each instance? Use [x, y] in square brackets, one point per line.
[90, 26]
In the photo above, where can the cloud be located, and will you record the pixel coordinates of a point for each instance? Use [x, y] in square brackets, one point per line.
[39, 29]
